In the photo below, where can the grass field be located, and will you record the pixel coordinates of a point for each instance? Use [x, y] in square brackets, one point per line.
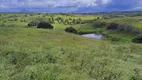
[42, 54]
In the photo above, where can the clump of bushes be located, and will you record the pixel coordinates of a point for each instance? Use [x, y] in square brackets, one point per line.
[137, 39]
[125, 27]
[33, 23]
[120, 27]
[71, 30]
[112, 26]
[45, 25]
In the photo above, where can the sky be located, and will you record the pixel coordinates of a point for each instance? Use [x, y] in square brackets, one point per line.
[69, 5]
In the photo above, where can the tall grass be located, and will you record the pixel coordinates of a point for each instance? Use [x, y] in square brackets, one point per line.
[40, 54]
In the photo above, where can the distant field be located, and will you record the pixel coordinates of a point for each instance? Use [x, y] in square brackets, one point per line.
[21, 20]
[136, 21]
[84, 23]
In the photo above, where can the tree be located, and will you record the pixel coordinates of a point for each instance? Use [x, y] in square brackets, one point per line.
[45, 25]
[98, 18]
[60, 20]
[74, 21]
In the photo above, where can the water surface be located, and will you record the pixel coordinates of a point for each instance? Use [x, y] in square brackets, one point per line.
[95, 36]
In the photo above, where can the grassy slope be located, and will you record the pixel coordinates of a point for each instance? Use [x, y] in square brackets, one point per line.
[136, 21]
[40, 54]
[125, 36]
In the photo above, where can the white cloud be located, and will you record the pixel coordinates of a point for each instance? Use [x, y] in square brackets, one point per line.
[106, 1]
[57, 3]
[50, 3]
[71, 5]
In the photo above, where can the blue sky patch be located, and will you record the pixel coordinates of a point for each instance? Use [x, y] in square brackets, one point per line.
[69, 5]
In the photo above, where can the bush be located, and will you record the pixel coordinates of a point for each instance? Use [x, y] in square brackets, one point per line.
[71, 30]
[125, 27]
[137, 39]
[45, 25]
[112, 26]
[33, 23]
[120, 27]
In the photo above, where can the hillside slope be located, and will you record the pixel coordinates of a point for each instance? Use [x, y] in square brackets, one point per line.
[40, 54]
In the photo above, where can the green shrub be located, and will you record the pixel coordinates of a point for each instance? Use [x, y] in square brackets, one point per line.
[45, 25]
[33, 23]
[71, 30]
[125, 27]
[120, 27]
[112, 26]
[137, 39]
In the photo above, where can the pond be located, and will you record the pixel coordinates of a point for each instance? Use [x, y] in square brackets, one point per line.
[95, 36]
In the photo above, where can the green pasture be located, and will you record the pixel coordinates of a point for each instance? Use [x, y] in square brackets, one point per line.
[29, 53]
